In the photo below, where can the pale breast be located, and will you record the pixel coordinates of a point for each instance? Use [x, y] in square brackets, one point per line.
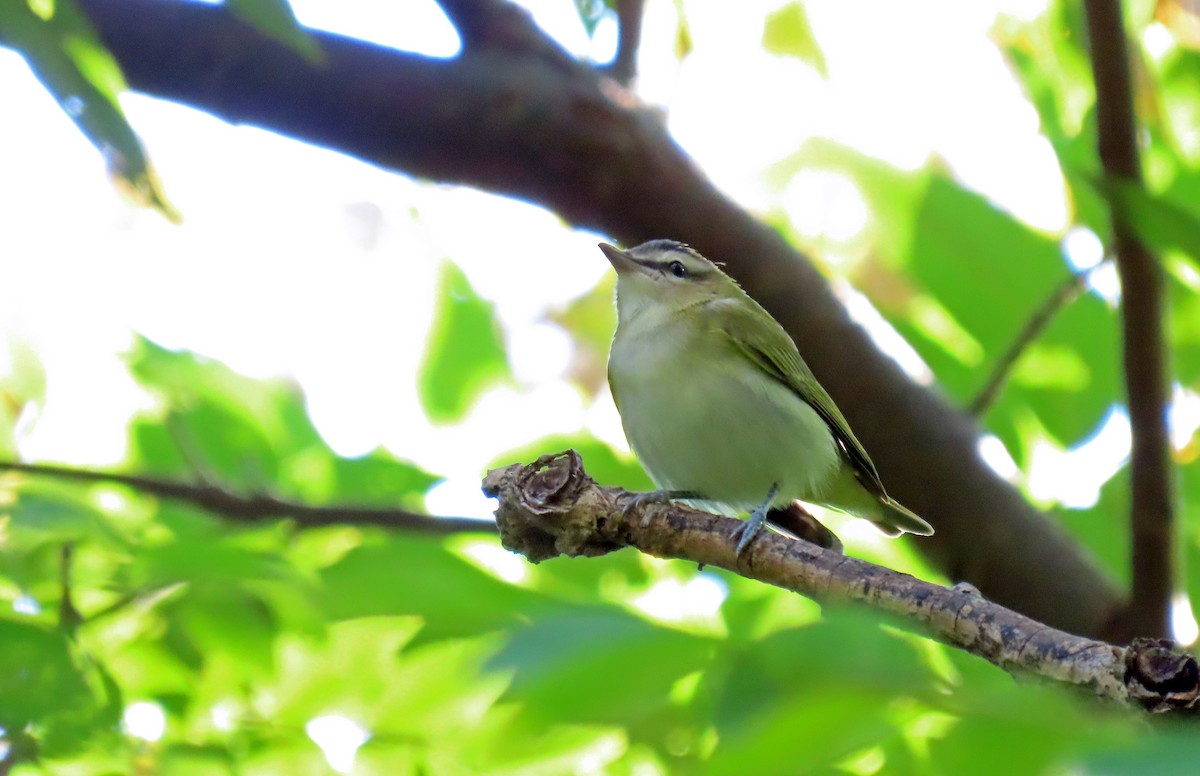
[701, 417]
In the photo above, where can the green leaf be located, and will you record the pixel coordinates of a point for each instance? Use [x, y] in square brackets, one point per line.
[69, 59]
[275, 19]
[787, 32]
[252, 436]
[1104, 528]
[990, 272]
[1162, 224]
[590, 321]
[400, 576]
[42, 683]
[1161, 752]
[592, 11]
[465, 353]
[22, 389]
[598, 664]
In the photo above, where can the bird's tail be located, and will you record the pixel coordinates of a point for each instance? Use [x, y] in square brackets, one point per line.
[894, 519]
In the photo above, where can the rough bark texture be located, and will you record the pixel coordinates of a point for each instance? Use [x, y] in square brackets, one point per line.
[551, 507]
[519, 117]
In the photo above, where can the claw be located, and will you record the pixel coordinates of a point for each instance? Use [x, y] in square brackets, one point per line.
[754, 523]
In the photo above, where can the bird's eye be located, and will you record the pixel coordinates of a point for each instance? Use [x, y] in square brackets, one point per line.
[677, 269]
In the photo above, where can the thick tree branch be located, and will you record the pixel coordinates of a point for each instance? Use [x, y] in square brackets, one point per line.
[1059, 297]
[1147, 382]
[571, 140]
[259, 506]
[551, 507]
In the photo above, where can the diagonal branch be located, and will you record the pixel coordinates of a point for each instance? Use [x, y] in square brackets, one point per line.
[552, 507]
[259, 506]
[569, 139]
[1061, 296]
[503, 25]
[1147, 380]
[629, 39]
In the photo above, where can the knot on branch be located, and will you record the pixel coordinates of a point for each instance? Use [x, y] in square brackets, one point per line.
[1162, 677]
[550, 507]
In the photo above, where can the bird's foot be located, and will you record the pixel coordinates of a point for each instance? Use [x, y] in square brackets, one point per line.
[754, 523]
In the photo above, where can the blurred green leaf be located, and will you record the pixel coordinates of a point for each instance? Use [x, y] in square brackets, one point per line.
[787, 32]
[400, 576]
[465, 353]
[1173, 752]
[1162, 224]
[592, 11]
[1104, 528]
[52, 514]
[597, 664]
[840, 676]
[683, 33]
[67, 56]
[22, 390]
[275, 19]
[590, 321]
[42, 683]
[251, 436]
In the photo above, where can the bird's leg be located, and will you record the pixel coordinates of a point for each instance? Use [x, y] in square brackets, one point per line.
[796, 522]
[662, 496]
[754, 523]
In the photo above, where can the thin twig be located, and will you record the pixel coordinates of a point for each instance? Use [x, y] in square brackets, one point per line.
[259, 506]
[1061, 296]
[552, 507]
[1145, 355]
[69, 617]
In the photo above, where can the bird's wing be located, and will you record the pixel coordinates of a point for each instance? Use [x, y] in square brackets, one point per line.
[770, 348]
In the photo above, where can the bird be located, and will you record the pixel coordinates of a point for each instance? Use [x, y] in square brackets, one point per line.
[718, 405]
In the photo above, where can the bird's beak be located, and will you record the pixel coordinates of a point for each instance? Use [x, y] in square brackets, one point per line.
[622, 262]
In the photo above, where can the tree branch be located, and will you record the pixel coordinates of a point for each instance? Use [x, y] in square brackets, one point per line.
[629, 38]
[1147, 381]
[552, 507]
[502, 25]
[1059, 298]
[260, 506]
[569, 139]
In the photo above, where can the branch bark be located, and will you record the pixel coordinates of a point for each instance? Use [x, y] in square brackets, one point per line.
[259, 506]
[563, 136]
[1147, 382]
[552, 507]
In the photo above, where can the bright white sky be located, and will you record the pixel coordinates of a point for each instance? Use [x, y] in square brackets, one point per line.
[297, 261]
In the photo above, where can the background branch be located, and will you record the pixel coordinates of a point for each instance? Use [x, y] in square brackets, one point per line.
[629, 38]
[259, 506]
[567, 138]
[1147, 382]
[552, 507]
[1059, 298]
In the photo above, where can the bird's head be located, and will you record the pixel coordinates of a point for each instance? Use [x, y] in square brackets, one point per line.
[665, 275]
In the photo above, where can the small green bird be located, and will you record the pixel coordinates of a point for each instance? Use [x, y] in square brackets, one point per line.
[719, 406]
